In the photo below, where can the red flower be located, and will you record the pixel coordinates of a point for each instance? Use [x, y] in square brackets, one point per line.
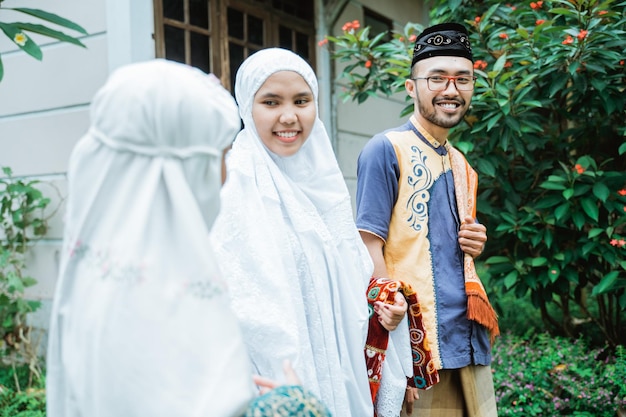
[622, 191]
[536, 5]
[503, 36]
[613, 242]
[621, 242]
[581, 35]
[368, 63]
[621, 62]
[354, 25]
[508, 64]
[477, 19]
[540, 22]
[480, 64]
[568, 40]
[412, 38]
[603, 12]
[579, 168]
[322, 42]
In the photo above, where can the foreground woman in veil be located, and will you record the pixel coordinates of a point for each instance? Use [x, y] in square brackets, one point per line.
[286, 239]
[141, 324]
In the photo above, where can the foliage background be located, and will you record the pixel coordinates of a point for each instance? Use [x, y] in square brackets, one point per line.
[546, 132]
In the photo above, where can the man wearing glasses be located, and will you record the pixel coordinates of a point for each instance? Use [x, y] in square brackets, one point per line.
[416, 198]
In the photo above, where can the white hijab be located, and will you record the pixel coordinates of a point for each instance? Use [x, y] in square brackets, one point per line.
[297, 268]
[140, 323]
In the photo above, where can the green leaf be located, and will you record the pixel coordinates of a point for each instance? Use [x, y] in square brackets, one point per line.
[52, 18]
[547, 202]
[606, 283]
[522, 32]
[499, 63]
[548, 238]
[539, 261]
[486, 167]
[601, 191]
[556, 178]
[563, 11]
[622, 148]
[28, 46]
[1, 69]
[511, 279]
[492, 121]
[561, 211]
[588, 247]
[498, 260]
[590, 208]
[553, 276]
[594, 232]
[29, 281]
[567, 194]
[578, 219]
[55, 34]
[549, 185]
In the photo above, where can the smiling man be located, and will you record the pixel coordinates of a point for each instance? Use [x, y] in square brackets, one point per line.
[416, 214]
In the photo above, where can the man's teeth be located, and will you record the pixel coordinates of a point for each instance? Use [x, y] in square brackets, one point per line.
[448, 105]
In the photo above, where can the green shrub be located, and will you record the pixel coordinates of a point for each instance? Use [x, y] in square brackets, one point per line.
[547, 135]
[553, 376]
[23, 221]
[17, 403]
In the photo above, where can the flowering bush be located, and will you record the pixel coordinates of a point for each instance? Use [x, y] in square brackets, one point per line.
[17, 31]
[548, 376]
[547, 134]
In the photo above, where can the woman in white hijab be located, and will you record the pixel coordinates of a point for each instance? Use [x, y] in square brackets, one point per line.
[296, 267]
[141, 324]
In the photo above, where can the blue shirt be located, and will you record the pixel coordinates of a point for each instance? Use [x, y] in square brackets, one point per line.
[404, 174]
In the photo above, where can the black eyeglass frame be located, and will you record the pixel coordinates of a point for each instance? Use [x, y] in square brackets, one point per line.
[449, 78]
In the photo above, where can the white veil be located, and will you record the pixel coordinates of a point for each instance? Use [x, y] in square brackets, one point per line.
[297, 268]
[140, 323]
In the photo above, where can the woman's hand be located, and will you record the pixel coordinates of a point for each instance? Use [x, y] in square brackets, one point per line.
[390, 315]
[410, 396]
[265, 384]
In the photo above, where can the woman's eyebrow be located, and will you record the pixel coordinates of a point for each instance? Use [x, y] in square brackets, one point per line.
[270, 95]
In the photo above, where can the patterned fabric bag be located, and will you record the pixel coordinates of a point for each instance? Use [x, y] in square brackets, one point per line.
[424, 372]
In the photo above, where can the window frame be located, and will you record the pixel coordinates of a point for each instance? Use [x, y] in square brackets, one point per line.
[219, 39]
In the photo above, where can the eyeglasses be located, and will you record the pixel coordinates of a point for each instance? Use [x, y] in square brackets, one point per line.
[441, 82]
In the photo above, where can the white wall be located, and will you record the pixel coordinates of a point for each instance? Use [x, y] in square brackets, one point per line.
[44, 105]
[354, 124]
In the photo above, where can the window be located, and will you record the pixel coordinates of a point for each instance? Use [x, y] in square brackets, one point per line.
[217, 35]
[185, 32]
[377, 23]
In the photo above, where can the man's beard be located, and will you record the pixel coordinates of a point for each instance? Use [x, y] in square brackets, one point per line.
[440, 121]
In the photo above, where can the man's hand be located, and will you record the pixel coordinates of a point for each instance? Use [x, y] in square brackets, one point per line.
[472, 237]
[390, 315]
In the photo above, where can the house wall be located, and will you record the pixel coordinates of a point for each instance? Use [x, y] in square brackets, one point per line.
[354, 124]
[44, 105]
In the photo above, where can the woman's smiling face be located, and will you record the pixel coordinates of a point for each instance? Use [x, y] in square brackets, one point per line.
[284, 112]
